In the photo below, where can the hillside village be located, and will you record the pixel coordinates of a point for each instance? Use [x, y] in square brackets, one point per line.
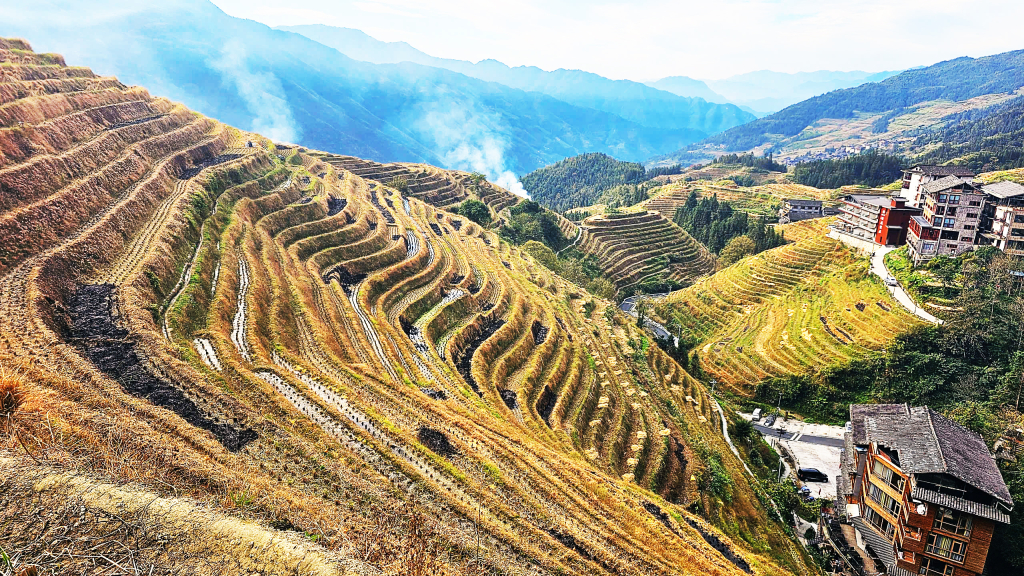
[311, 332]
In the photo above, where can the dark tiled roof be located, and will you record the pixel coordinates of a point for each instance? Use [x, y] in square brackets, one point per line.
[860, 411]
[943, 184]
[882, 547]
[928, 443]
[967, 457]
[943, 170]
[949, 501]
[799, 202]
[1002, 190]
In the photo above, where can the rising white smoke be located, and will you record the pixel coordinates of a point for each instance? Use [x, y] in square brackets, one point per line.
[261, 93]
[469, 138]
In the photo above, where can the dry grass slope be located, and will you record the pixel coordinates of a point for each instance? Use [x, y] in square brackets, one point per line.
[216, 361]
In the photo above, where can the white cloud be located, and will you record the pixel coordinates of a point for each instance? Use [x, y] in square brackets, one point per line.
[644, 39]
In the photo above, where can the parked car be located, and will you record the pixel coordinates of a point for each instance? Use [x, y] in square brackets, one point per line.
[769, 420]
[757, 414]
[811, 475]
[890, 281]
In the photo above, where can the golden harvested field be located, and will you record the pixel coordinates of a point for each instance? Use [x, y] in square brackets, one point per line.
[635, 246]
[788, 310]
[214, 361]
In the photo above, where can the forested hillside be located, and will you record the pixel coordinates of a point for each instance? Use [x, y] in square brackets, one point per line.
[988, 139]
[716, 223]
[910, 114]
[871, 168]
[957, 79]
[580, 180]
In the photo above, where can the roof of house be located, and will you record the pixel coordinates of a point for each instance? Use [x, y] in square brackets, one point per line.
[942, 170]
[943, 184]
[961, 504]
[859, 412]
[803, 202]
[928, 443]
[1005, 189]
[921, 221]
[870, 199]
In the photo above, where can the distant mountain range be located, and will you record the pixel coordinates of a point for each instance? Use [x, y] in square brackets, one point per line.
[903, 114]
[766, 91]
[636, 102]
[294, 89]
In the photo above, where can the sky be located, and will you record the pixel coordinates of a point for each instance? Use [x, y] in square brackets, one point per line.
[649, 39]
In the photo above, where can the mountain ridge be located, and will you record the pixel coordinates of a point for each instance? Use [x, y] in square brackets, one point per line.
[633, 101]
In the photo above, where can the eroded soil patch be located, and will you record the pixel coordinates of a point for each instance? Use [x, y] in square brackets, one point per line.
[112, 350]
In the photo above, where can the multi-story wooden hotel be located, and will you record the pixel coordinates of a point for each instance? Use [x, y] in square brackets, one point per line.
[923, 493]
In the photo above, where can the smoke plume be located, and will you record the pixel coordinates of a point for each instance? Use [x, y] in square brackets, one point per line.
[469, 138]
[261, 92]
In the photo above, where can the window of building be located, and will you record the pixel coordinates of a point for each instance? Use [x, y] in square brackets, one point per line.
[942, 197]
[953, 521]
[951, 212]
[879, 522]
[928, 247]
[972, 214]
[887, 475]
[950, 235]
[932, 567]
[1017, 232]
[949, 222]
[888, 503]
[937, 221]
[946, 547]
[974, 203]
[940, 210]
[955, 199]
[968, 226]
[1018, 218]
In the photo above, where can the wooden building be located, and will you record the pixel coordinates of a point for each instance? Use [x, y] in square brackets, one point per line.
[923, 494]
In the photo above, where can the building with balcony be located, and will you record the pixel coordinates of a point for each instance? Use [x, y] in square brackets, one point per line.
[858, 215]
[950, 221]
[915, 178]
[1003, 217]
[883, 220]
[923, 494]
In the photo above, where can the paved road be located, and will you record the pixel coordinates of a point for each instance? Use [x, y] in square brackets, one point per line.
[799, 437]
[878, 269]
[659, 330]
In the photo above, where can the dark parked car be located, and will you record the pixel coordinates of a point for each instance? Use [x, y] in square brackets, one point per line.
[811, 475]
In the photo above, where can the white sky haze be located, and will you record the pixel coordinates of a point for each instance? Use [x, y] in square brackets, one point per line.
[650, 39]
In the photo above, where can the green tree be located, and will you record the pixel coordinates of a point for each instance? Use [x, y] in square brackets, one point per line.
[476, 211]
[643, 311]
[737, 249]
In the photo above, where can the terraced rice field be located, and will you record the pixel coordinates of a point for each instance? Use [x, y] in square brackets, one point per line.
[441, 188]
[789, 310]
[764, 200]
[631, 248]
[295, 363]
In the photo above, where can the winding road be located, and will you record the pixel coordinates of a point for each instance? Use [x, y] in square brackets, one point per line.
[878, 269]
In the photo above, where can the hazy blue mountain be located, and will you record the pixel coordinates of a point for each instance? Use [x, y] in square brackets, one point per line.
[359, 45]
[958, 79]
[767, 91]
[291, 88]
[633, 101]
[689, 87]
